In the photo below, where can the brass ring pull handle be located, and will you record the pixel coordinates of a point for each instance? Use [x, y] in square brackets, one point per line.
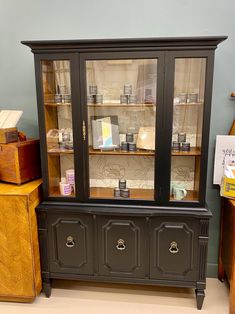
[70, 241]
[174, 247]
[120, 245]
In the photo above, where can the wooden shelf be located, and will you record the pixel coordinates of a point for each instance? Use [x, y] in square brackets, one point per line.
[54, 104]
[58, 152]
[55, 192]
[139, 152]
[189, 104]
[145, 194]
[191, 196]
[111, 105]
[194, 151]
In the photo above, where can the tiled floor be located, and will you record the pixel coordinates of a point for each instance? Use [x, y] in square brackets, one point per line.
[92, 298]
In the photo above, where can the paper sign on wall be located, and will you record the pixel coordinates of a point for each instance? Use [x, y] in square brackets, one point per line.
[224, 154]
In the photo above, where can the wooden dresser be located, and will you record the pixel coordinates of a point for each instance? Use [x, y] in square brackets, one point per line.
[20, 277]
[227, 248]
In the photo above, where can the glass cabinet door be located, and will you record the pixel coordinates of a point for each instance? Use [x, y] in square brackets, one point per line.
[188, 106]
[121, 107]
[56, 83]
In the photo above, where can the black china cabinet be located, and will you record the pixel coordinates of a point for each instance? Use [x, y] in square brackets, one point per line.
[124, 130]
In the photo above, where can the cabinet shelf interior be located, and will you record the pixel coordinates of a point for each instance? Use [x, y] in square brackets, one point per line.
[194, 151]
[145, 194]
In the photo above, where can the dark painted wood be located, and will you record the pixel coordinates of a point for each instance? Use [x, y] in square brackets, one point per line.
[122, 246]
[126, 43]
[168, 119]
[71, 243]
[124, 280]
[46, 286]
[173, 247]
[159, 163]
[158, 242]
[109, 209]
[200, 295]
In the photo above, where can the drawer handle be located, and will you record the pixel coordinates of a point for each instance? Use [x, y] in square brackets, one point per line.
[121, 245]
[70, 242]
[174, 247]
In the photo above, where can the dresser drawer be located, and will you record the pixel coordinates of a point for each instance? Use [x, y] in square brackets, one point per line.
[173, 248]
[122, 246]
[71, 243]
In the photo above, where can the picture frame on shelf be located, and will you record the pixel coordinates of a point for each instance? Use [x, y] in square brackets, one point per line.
[105, 132]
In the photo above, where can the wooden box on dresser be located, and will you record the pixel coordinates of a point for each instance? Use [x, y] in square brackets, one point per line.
[124, 129]
[20, 271]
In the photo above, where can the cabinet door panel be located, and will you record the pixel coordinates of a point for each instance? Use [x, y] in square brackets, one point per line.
[122, 247]
[70, 240]
[188, 107]
[173, 249]
[123, 93]
[58, 119]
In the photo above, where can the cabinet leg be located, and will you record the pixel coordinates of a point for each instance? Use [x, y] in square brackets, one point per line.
[200, 295]
[46, 287]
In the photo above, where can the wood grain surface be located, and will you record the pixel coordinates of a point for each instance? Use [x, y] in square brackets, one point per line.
[20, 161]
[19, 251]
[227, 249]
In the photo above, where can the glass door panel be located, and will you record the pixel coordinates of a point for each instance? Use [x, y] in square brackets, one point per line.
[121, 102]
[188, 106]
[58, 122]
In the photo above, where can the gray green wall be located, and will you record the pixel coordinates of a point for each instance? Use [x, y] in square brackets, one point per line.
[74, 19]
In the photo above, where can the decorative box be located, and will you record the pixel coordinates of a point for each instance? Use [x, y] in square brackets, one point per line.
[8, 135]
[20, 161]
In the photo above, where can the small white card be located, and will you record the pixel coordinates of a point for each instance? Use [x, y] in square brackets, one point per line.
[224, 151]
[9, 118]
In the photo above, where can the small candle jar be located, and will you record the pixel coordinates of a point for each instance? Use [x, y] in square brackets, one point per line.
[182, 98]
[176, 146]
[127, 89]
[116, 192]
[123, 99]
[58, 98]
[99, 99]
[93, 89]
[124, 146]
[70, 176]
[125, 192]
[91, 99]
[129, 137]
[132, 147]
[181, 137]
[122, 184]
[186, 147]
[132, 99]
[65, 189]
[192, 98]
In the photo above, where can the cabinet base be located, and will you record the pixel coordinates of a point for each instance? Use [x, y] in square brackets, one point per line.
[200, 293]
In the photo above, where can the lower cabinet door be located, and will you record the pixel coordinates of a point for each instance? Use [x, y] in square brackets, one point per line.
[173, 248]
[70, 243]
[122, 249]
